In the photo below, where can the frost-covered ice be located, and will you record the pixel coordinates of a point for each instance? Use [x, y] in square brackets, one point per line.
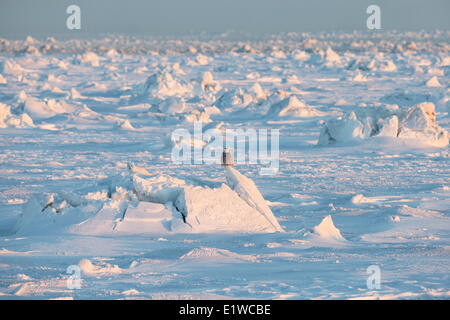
[327, 230]
[417, 123]
[86, 176]
[292, 107]
[141, 203]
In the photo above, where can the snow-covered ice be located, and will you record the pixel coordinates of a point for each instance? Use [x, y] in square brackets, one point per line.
[86, 177]
[417, 123]
[326, 229]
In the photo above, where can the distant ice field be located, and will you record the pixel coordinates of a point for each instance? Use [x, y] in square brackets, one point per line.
[87, 179]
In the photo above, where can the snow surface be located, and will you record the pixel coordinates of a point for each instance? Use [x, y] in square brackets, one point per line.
[86, 176]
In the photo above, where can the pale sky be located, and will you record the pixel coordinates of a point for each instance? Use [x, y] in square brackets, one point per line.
[43, 18]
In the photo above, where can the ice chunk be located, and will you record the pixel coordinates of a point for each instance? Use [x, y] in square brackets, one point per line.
[198, 116]
[104, 221]
[331, 57]
[233, 98]
[208, 83]
[388, 127]
[90, 269]
[7, 119]
[327, 230]
[419, 122]
[247, 190]
[12, 68]
[433, 82]
[219, 210]
[161, 188]
[172, 106]
[199, 60]
[359, 199]
[245, 48]
[258, 91]
[112, 53]
[388, 66]
[43, 216]
[125, 125]
[300, 55]
[420, 117]
[43, 109]
[291, 106]
[359, 78]
[74, 94]
[142, 203]
[344, 129]
[162, 84]
[359, 64]
[89, 58]
[132, 168]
